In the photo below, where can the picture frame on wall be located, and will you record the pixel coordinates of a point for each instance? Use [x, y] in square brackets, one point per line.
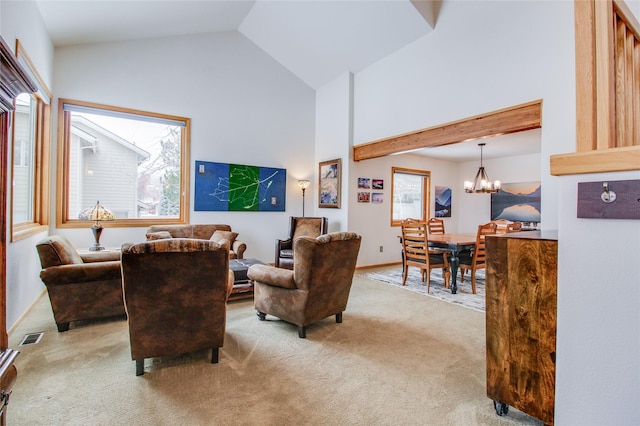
[330, 183]
[364, 183]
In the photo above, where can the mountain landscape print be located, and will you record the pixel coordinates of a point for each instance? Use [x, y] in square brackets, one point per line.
[443, 201]
[517, 202]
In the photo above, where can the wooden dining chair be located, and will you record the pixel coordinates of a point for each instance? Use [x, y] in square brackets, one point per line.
[416, 253]
[514, 227]
[476, 260]
[435, 226]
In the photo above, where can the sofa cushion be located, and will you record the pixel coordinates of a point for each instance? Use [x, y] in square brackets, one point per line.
[224, 235]
[160, 235]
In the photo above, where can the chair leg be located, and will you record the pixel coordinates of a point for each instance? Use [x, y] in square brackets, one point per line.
[302, 332]
[139, 367]
[214, 355]
[261, 315]
[428, 279]
[339, 317]
[473, 282]
[62, 326]
[404, 275]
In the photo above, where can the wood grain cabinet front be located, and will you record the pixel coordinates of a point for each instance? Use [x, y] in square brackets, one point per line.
[521, 288]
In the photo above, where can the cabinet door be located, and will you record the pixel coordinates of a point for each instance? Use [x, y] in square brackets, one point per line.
[521, 324]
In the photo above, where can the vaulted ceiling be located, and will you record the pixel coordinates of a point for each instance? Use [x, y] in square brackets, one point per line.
[317, 40]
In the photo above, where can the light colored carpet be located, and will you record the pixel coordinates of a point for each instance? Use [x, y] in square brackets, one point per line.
[399, 358]
[463, 297]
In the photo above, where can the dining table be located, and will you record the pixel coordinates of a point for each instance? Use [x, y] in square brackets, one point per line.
[455, 243]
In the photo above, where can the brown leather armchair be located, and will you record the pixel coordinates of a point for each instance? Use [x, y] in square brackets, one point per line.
[175, 295]
[80, 287]
[298, 227]
[316, 288]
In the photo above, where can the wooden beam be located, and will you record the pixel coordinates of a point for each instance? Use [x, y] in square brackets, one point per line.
[598, 161]
[514, 119]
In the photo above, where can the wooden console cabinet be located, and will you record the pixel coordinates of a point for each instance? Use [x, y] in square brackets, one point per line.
[521, 288]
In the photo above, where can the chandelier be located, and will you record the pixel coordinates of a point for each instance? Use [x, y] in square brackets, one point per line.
[481, 183]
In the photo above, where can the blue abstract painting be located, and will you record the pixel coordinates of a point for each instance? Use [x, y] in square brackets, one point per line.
[236, 187]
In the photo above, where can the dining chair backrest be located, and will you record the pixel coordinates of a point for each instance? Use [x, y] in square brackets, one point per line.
[479, 252]
[414, 241]
[435, 226]
[514, 227]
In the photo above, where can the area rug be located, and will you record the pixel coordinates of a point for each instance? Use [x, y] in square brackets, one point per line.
[463, 297]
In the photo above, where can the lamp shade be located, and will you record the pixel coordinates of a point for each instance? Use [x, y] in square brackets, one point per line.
[304, 184]
[96, 212]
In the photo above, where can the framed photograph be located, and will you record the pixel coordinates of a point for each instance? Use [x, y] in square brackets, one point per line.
[378, 183]
[364, 197]
[377, 197]
[330, 183]
[517, 202]
[364, 183]
[443, 201]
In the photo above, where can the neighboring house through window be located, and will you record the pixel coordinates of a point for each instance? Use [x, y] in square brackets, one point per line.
[134, 163]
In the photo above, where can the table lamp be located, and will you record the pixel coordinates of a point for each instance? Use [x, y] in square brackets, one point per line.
[97, 213]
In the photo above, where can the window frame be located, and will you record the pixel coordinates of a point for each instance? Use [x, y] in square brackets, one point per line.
[62, 175]
[41, 152]
[426, 191]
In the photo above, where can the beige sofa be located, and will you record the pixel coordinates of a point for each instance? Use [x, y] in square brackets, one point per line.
[214, 232]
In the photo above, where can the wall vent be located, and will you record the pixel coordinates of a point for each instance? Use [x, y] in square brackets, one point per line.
[31, 338]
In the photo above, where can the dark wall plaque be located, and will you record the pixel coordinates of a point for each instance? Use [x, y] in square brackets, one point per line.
[613, 199]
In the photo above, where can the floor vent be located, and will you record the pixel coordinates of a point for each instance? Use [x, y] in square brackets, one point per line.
[31, 339]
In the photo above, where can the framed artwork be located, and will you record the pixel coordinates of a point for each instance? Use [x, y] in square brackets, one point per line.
[517, 202]
[330, 183]
[239, 188]
[364, 183]
[443, 201]
[377, 197]
[378, 183]
[364, 197]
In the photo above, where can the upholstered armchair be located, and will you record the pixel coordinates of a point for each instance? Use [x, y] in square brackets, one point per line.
[298, 227]
[175, 296]
[80, 287]
[316, 288]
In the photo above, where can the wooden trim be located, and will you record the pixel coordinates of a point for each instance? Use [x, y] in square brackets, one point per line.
[514, 119]
[585, 79]
[426, 192]
[607, 90]
[62, 177]
[605, 81]
[600, 161]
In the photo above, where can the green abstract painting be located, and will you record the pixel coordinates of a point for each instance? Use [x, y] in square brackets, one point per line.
[236, 187]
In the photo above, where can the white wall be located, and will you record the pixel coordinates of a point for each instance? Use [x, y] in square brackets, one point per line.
[244, 107]
[333, 140]
[483, 56]
[21, 20]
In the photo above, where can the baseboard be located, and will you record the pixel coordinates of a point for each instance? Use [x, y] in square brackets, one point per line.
[26, 312]
[379, 265]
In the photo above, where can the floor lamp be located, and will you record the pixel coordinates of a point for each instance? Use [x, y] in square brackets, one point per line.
[304, 184]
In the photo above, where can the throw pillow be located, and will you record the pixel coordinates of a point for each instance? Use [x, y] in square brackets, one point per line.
[160, 235]
[224, 235]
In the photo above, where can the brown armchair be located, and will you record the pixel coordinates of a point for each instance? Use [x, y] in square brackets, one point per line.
[316, 288]
[298, 227]
[80, 287]
[175, 295]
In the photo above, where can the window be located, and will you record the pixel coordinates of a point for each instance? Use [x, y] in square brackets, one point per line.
[135, 163]
[410, 194]
[30, 154]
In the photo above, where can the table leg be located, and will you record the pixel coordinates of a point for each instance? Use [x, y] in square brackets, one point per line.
[453, 263]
